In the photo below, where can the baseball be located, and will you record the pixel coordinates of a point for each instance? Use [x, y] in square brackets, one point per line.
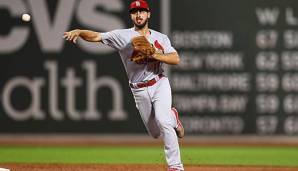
[26, 17]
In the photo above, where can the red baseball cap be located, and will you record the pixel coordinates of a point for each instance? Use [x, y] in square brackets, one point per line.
[139, 4]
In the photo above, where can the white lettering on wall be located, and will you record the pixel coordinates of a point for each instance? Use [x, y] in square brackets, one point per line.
[267, 16]
[49, 31]
[70, 83]
[202, 39]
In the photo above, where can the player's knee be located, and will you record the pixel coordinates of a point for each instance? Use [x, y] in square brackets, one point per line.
[164, 124]
[155, 134]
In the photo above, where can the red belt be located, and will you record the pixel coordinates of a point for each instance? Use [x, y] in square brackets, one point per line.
[146, 83]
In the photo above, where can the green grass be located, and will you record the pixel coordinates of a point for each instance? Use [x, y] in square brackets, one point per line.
[268, 156]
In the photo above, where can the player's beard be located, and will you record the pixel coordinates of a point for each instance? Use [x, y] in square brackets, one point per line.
[141, 26]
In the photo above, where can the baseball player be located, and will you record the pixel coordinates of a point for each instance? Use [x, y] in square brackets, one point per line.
[143, 52]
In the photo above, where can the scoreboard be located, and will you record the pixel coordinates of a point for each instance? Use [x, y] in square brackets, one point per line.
[239, 66]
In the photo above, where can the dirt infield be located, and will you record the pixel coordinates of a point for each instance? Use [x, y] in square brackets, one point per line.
[144, 140]
[90, 167]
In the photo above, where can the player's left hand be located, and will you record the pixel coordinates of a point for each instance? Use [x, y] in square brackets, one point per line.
[142, 49]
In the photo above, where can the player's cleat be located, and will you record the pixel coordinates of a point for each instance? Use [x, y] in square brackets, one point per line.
[179, 128]
[174, 169]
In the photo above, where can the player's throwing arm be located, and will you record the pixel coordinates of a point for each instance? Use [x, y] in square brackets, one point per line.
[88, 35]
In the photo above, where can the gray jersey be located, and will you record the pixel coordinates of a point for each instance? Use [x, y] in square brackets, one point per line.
[121, 41]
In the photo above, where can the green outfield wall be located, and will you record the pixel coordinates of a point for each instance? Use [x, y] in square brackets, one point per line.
[238, 73]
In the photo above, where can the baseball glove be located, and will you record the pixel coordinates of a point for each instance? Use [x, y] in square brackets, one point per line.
[142, 49]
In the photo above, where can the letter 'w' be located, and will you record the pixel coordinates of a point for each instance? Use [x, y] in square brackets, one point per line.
[267, 15]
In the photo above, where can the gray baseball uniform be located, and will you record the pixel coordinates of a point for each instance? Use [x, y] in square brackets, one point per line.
[154, 102]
